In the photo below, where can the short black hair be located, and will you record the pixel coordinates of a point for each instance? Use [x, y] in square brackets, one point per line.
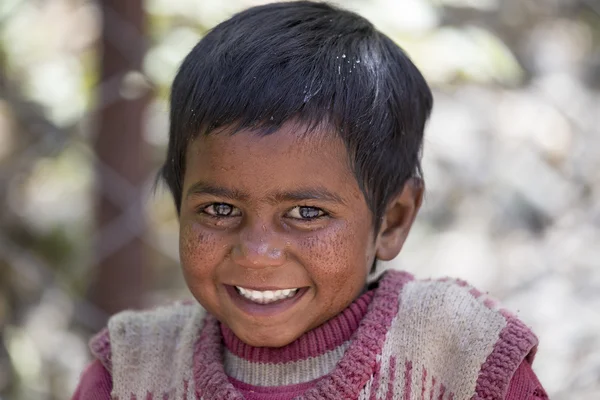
[313, 63]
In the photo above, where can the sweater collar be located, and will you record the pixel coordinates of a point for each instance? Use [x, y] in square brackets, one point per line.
[327, 337]
[356, 366]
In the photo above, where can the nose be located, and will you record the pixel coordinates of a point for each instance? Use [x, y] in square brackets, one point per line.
[259, 247]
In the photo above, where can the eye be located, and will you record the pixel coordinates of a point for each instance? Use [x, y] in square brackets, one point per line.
[221, 210]
[306, 213]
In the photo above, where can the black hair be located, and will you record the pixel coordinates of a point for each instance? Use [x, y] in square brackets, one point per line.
[313, 63]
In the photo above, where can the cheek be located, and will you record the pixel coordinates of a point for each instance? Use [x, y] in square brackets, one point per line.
[336, 256]
[200, 250]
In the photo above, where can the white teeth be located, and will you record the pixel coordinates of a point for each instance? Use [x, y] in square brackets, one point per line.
[267, 296]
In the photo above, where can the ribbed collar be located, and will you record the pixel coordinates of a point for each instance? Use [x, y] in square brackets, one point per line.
[329, 336]
[349, 375]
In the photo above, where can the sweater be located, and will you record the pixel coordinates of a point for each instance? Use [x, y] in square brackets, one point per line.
[433, 339]
[268, 373]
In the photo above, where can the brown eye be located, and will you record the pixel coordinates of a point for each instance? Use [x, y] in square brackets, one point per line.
[221, 210]
[306, 213]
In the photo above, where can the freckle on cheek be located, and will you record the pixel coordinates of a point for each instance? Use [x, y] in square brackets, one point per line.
[325, 253]
[194, 243]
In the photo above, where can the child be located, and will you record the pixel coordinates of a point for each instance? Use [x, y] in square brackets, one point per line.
[293, 158]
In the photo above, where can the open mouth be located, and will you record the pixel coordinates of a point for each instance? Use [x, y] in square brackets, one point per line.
[264, 302]
[266, 296]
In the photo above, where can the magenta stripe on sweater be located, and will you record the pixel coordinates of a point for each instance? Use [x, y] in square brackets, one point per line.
[423, 383]
[376, 380]
[186, 386]
[271, 392]
[459, 282]
[442, 392]
[407, 379]
[489, 303]
[391, 378]
[312, 344]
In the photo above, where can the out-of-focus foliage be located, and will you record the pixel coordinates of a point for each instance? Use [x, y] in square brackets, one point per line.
[512, 169]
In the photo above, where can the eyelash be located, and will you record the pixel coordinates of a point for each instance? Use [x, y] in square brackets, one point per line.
[204, 208]
[321, 212]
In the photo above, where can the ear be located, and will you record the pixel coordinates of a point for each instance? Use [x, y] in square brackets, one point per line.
[398, 219]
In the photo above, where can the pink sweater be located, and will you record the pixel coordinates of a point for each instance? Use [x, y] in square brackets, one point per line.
[288, 372]
[96, 384]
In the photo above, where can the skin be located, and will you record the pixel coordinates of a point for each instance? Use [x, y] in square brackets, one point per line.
[283, 211]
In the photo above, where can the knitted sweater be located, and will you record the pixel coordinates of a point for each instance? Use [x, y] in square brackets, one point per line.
[414, 340]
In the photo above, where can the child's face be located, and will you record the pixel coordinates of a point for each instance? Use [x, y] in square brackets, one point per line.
[273, 213]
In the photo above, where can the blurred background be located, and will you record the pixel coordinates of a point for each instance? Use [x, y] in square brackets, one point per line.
[512, 168]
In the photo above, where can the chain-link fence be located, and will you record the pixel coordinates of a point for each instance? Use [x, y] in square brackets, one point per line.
[512, 169]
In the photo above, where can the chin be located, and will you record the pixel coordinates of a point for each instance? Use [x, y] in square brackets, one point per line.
[271, 338]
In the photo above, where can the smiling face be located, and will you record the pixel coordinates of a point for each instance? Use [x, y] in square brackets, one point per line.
[262, 214]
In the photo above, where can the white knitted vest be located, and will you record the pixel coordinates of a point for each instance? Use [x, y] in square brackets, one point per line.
[440, 338]
[151, 352]
[444, 340]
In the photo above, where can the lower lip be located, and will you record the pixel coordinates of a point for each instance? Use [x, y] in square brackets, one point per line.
[263, 310]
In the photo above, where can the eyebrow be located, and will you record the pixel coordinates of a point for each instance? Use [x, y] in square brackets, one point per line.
[316, 193]
[217, 191]
[311, 193]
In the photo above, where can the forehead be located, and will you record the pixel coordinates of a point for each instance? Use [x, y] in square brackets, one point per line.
[289, 157]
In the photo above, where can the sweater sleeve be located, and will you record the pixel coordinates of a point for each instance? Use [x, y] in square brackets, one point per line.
[525, 385]
[95, 383]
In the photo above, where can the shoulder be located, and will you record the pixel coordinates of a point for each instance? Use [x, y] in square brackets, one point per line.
[525, 385]
[145, 350]
[168, 321]
[445, 295]
[165, 322]
[456, 303]
[95, 383]
[470, 317]
[459, 335]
